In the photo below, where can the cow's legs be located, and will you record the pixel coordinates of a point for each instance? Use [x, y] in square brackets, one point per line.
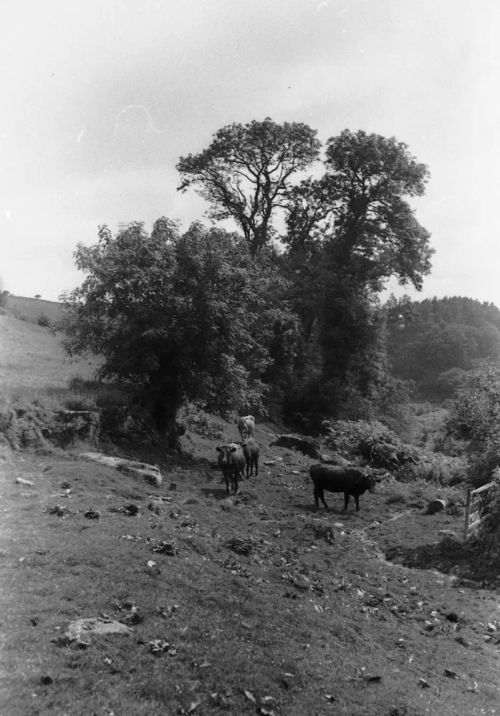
[319, 495]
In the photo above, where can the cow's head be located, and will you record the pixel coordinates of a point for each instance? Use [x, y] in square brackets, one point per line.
[225, 451]
[369, 480]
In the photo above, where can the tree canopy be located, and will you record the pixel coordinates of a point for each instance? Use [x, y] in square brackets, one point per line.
[438, 339]
[359, 210]
[179, 316]
[246, 173]
[290, 306]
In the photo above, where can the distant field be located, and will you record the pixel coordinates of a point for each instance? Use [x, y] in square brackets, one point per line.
[30, 309]
[32, 359]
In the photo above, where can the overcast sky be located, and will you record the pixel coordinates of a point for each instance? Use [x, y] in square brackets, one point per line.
[102, 97]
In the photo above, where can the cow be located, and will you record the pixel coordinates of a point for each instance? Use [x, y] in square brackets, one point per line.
[251, 453]
[246, 426]
[232, 463]
[349, 480]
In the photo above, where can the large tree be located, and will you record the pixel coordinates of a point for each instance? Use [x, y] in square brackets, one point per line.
[359, 210]
[348, 232]
[246, 173]
[179, 316]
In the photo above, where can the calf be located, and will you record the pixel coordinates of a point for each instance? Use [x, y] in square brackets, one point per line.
[232, 464]
[349, 480]
[246, 426]
[251, 453]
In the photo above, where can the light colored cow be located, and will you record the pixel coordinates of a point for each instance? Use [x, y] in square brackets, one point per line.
[246, 426]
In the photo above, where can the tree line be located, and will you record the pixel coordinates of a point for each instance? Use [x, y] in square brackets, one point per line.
[434, 342]
[283, 313]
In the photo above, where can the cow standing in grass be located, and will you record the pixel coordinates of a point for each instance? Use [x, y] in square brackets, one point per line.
[232, 464]
[251, 453]
[349, 480]
[246, 426]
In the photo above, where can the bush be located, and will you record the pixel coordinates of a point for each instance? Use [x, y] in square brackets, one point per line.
[80, 402]
[437, 468]
[43, 320]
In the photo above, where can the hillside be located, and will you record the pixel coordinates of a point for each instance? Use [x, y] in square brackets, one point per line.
[32, 309]
[32, 359]
[243, 604]
[433, 342]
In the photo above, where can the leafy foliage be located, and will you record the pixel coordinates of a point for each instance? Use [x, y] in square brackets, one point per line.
[360, 211]
[436, 340]
[475, 417]
[211, 317]
[348, 232]
[179, 316]
[246, 171]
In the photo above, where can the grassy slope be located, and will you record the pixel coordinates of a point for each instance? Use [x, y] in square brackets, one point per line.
[300, 623]
[31, 308]
[32, 359]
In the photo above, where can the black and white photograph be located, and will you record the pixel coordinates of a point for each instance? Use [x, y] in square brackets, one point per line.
[250, 358]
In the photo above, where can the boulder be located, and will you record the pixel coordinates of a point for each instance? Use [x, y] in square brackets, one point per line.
[149, 473]
[436, 506]
[304, 444]
[334, 459]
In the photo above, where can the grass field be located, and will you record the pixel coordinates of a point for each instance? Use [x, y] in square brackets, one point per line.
[241, 604]
[31, 309]
[33, 361]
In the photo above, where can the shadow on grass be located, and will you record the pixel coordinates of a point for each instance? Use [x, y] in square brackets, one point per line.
[218, 492]
[321, 512]
[449, 557]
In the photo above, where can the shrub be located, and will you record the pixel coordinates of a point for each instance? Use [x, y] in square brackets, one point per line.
[80, 402]
[43, 320]
[437, 468]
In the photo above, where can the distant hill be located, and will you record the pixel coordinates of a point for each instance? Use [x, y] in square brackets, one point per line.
[439, 339]
[32, 358]
[31, 309]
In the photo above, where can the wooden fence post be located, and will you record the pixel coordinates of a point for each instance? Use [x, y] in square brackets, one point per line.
[467, 513]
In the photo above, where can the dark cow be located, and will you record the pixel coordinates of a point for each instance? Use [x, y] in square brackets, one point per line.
[246, 426]
[232, 463]
[349, 480]
[251, 452]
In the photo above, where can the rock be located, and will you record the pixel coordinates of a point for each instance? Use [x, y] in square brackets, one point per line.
[333, 459]
[150, 473]
[22, 481]
[5, 449]
[94, 625]
[57, 510]
[131, 510]
[449, 535]
[67, 426]
[304, 444]
[436, 506]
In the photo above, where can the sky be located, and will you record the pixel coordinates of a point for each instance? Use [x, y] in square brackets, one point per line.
[101, 98]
